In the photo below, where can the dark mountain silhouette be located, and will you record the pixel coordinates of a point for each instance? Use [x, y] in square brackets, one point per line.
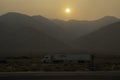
[77, 28]
[105, 40]
[38, 22]
[50, 27]
[20, 34]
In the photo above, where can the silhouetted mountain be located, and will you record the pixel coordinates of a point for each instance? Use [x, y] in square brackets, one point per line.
[20, 34]
[38, 22]
[77, 28]
[50, 27]
[105, 40]
[24, 34]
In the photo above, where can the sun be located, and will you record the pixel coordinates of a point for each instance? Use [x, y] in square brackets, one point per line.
[67, 10]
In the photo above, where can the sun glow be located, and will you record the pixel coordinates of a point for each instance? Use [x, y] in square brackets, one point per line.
[67, 10]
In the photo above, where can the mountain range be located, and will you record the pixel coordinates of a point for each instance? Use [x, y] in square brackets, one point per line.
[79, 28]
[105, 40]
[21, 34]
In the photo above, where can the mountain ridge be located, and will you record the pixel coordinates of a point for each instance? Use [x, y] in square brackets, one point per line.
[21, 34]
[105, 40]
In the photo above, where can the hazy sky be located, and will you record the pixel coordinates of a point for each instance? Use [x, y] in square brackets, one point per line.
[81, 9]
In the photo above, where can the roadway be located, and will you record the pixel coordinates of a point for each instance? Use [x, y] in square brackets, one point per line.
[108, 75]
